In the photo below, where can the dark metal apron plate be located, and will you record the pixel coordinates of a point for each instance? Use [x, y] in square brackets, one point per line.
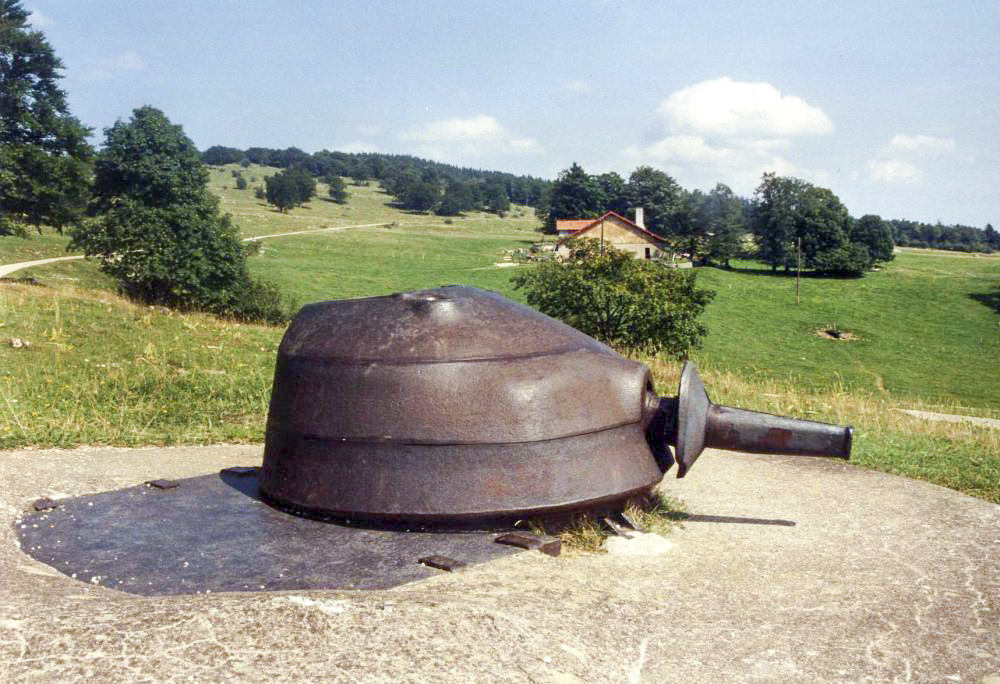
[214, 533]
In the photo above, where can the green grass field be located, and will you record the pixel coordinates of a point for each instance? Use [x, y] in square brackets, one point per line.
[413, 251]
[101, 370]
[921, 333]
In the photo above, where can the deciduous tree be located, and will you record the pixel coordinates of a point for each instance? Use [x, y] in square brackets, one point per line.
[44, 156]
[418, 195]
[725, 224]
[659, 195]
[875, 234]
[157, 228]
[495, 197]
[290, 188]
[574, 195]
[991, 236]
[337, 190]
[620, 300]
[787, 210]
[613, 188]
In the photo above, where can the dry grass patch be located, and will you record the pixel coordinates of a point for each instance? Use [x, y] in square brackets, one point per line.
[585, 533]
[961, 456]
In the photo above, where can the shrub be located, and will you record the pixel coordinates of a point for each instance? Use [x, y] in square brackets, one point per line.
[851, 259]
[289, 188]
[620, 300]
[337, 190]
[241, 183]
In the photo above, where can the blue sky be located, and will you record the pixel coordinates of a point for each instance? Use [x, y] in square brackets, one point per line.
[895, 106]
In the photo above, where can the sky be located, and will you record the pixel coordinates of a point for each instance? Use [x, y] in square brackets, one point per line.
[895, 106]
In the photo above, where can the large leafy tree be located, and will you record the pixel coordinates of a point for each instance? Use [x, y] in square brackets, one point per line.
[620, 300]
[458, 197]
[418, 195]
[613, 188]
[724, 224]
[876, 235]
[289, 188]
[336, 188]
[574, 195]
[787, 210]
[660, 197]
[44, 155]
[157, 229]
[495, 197]
[991, 236]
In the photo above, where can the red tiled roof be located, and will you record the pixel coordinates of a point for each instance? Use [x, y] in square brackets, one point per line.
[572, 225]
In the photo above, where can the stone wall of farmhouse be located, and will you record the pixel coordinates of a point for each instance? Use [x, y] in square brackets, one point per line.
[621, 237]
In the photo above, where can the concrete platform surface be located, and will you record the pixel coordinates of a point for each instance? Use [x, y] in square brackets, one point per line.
[880, 578]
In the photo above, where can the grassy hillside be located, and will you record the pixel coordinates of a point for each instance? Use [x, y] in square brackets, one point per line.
[101, 370]
[920, 329]
[412, 251]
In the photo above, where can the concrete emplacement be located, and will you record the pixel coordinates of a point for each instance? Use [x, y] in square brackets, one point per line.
[789, 569]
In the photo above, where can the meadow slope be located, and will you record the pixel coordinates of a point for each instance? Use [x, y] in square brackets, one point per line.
[102, 370]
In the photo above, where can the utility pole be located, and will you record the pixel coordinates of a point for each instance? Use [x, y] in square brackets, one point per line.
[798, 268]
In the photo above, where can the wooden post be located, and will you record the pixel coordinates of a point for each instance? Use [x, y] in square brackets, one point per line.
[798, 268]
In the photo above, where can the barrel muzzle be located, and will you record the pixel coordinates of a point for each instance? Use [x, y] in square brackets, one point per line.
[691, 422]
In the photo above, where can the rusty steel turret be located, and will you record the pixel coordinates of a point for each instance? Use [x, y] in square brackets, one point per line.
[456, 405]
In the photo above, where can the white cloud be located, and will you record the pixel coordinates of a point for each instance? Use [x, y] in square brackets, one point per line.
[894, 172]
[727, 108]
[477, 128]
[38, 20]
[702, 163]
[357, 147]
[921, 143]
[460, 139]
[108, 67]
[894, 163]
[686, 148]
[366, 130]
[730, 131]
[525, 145]
[577, 86]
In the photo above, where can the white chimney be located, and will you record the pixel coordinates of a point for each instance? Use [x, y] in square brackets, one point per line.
[639, 218]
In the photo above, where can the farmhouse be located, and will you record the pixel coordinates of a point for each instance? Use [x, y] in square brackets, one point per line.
[615, 230]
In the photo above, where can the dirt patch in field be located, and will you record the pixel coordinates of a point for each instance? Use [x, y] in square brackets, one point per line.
[831, 333]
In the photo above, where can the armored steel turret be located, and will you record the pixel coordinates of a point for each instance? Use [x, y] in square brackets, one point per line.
[456, 405]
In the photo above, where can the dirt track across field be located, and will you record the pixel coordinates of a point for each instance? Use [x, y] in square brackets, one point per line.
[790, 569]
[952, 418]
[7, 269]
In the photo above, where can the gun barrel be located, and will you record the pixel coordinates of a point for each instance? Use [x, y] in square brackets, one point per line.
[692, 422]
[763, 433]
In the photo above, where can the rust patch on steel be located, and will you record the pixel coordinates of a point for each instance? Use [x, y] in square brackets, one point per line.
[550, 546]
[442, 563]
